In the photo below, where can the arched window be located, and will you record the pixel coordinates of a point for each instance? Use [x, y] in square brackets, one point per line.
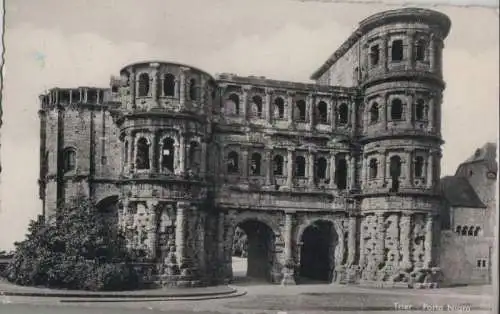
[300, 113]
[142, 156]
[232, 162]
[374, 55]
[464, 230]
[257, 106]
[125, 155]
[279, 108]
[395, 172]
[322, 112]
[278, 162]
[421, 47]
[374, 113]
[255, 164]
[396, 109]
[69, 159]
[321, 166]
[476, 231]
[167, 155]
[193, 89]
[232, 105]
[397, 50]
[143, 85]
[194, 155]
[300, 166]
[343, 114]
[458, 230]
[471, 231]
[341, 174]
[419, 166]
[420, 110]
[169, 85]
[373, 168]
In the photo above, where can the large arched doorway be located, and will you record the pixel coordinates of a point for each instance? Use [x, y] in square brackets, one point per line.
[253, 249]
[318, 242]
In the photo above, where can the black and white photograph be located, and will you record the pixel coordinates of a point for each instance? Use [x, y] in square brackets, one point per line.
[249, 156]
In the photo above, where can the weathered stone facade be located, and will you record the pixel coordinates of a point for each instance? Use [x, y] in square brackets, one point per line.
[335, 180]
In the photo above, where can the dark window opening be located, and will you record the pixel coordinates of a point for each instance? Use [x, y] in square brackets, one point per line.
[69, 159]
[420, 110]
[142, 157]
[143, 85]
[194, 155]
[91, 96]
[300, 166]
[279, 108]
[343, 114]
[232, 162]
[257, 106]
[397, 50]
[420, 50]
[484, 263]
[114, 89]
[341, 174]
[396, 109]
[255, 164]
[464, 230]
[233, 105]
[458, 230]
[374, 113]
[478, 264]
[193, 89]
[373, 168]
[169, 85]
[471, 231]
[168, 151]
[322, 112]
[395, 172]
[301, 111]
[64, 97]
[374, 55]
[278, 162]
[476, 231]
[75, 96]
[419, 166]
[321, 166]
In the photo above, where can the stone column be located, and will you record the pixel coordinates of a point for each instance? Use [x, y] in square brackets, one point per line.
[182, 87]
[289, 263]
[362, 231]
[154, 85]
[130, 152]
[203, 161]
[405, 230]
[380, 248]
[409, 110]
[430, 166]
[289, 165]
[310, 170]
[219, 266]
[409, 168]
[244, 162]
[384, 52]
[383, 164]
[290, 108]
[432, 53]
[353, 115]
[332, 171]
[312, 108]
[269, 167]
[152, 153]
[333, 119]
[132, 87]
[364, 172]
[411, 48]
[182, 154]
[428, 241]
[244, 102]
[269, 107]
[180, 231]
[352, 172]
[385, 110]
[160, 87]
[430, 113]
[351, 241]
[151, 228]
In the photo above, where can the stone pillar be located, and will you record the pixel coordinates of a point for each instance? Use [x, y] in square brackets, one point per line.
[289, 165]
[180, 231]
[380, 248]
[407, 169]
[269, 167]
[362, 231]
[352, 172]
[430, 114]
[332, 171]
[151, 228]
[312, 108]
[409, 110]
[385, 110]
[310, 170]
[154, 85]
[244, 102]
[289, 262]
[383, 164]
[430, 166]
[333, 116]
[290, 108]
[182, 155]
[432, 53]
[405, 230]
[244, 162]
[132, 87]
[160, 87]
[353, 116]
[130, 152]
[182, 87]
[203, 161]
[152, 153]
[351, 241]
[269, 107]
[384, 52]
[411, 48]
[364, 172]
[219, 266]
[428, 241]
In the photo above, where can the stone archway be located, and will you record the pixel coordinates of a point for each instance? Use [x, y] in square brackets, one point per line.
[108, 210]
[260, 249]
[317, 244]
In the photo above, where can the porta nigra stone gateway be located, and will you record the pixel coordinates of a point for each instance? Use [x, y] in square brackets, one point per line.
[335, 181]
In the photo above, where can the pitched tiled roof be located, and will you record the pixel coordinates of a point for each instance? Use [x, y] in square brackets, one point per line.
[459, 193]
[486, 154]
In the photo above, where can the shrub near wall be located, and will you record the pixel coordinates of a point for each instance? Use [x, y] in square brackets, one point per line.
[77, 251]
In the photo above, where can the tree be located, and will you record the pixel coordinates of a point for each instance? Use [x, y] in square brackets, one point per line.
[75, 250]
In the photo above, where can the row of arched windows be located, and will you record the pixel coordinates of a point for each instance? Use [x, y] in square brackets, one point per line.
[395, 167]
[397, 51]
[299, 170]
[396, 112]
[472, 231]
[232, 107]
[168, 87]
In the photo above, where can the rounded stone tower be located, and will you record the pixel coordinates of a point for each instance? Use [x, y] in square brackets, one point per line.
[401, 79]
[163, 121]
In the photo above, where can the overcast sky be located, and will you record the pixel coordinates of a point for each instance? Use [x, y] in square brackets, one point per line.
[83, 42]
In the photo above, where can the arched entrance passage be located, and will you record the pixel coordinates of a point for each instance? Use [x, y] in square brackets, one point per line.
[318, 242]
[253, 247]
[108, 210]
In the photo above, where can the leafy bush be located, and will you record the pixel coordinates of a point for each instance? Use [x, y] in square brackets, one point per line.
[77, 250]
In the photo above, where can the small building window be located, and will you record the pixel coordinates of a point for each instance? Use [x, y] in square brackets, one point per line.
[421, 47]
[143, 85]
[300, 115]
[255, 164]
[142, 157]
[321, 166]
[464, 230]
[169, 85]
[396, 109]
[232, 105]
[69, 159]
[194, 155]
[458, 229]
[420, 110]
[232, 162]
[341, 174]
[373, 168]
[476, 231]
[484, 263]
[193, 89]
[397, 50]
[374, 55]
[479, 263]
[419, 166]
[279, 108]
[278, 162]
[322, 112]
[256, 106]
[167, 155]
[374, 113]
[343, 114]
[300, 166]
[395, 172]
[471, 231]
